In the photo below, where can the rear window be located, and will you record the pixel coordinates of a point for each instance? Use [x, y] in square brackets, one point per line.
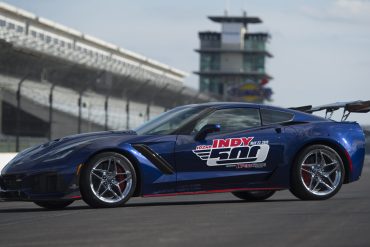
[273, 116]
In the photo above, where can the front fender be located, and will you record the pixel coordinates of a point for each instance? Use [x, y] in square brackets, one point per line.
[152, 180]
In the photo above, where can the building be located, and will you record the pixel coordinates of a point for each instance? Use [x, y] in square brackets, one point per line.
[232, 62]
[56, 81]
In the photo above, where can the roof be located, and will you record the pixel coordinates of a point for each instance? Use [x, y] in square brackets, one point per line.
[236, 19]
[260, 34]
[298, 116]
[232, 73]
[248, 35]
[228, 50]
[221, 104]
[22, 14]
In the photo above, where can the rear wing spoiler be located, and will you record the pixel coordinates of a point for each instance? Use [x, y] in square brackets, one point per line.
[348, 107]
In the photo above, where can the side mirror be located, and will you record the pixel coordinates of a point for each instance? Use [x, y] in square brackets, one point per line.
[207, 129]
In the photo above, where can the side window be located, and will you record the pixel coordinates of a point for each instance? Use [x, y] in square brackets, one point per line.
[274, 116]
[234, 119]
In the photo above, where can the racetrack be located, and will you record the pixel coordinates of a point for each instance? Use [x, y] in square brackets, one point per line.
[203, 220]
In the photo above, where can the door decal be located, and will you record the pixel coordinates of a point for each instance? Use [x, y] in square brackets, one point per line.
[239, 152]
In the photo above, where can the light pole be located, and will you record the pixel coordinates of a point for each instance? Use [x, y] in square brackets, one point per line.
[152, 98]
[18, 116]
[51, 110]
[129, 94]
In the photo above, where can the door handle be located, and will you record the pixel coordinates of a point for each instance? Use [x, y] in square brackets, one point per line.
[278, 130]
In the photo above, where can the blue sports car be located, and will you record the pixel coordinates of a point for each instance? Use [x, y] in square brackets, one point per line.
[250, 150]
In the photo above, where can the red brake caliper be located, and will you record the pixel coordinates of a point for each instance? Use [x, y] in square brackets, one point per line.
[306, 177]
[121, 177]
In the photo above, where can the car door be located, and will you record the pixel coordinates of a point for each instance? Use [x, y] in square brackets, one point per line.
[243, 154]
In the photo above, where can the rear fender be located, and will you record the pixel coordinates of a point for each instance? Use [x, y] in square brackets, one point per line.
[347, 138]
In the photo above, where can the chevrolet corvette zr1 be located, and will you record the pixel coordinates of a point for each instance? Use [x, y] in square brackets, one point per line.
[250, 150]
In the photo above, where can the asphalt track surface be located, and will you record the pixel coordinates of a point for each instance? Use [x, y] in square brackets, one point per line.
[202, 220]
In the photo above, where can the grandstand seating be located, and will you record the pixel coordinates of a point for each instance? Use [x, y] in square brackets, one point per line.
[45, 52]
[66, 100]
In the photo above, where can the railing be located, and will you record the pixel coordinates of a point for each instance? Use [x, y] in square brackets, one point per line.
[66, 100]
[8, 143]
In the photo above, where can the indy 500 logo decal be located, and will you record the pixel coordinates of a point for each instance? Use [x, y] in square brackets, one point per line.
[241, 152]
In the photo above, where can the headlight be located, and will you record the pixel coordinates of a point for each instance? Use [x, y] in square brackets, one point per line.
[17, 160]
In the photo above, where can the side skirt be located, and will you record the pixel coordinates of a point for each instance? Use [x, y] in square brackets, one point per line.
[211, 191]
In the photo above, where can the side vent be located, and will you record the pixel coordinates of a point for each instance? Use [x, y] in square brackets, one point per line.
[155, 158]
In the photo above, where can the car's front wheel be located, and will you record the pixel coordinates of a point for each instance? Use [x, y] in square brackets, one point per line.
[317, 174]
[107, 180]
[255, 195]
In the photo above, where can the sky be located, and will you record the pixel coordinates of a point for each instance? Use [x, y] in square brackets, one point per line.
[321, 48]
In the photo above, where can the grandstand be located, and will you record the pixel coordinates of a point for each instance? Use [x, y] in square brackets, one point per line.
[57, 81]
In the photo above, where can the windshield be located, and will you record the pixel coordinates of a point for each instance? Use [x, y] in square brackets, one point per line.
[169, 121]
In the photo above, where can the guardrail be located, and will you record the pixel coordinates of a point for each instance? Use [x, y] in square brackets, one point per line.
[8, 144]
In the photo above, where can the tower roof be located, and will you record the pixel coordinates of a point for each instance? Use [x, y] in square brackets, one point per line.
[236, 19]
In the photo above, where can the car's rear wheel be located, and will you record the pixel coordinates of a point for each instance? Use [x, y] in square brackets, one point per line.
[107, 180]
[317, 174]
[54, 205]
[255, 195]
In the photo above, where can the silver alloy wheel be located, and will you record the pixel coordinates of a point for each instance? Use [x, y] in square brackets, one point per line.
[111, 179]
[321, 172]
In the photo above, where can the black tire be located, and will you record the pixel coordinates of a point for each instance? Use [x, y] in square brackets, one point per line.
[255, 195]
[305, 190]
[54, 205]
[88, 192]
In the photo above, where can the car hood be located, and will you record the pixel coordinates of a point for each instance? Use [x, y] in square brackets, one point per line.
[45, 150]
[90, 137]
